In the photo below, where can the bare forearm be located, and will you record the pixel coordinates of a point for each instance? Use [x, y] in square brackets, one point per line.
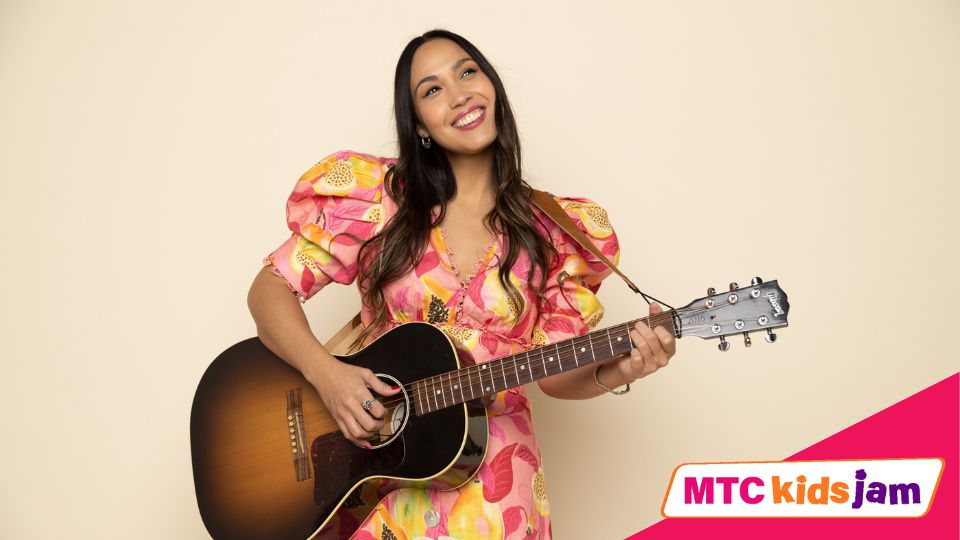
[579, 384]
[282, 325]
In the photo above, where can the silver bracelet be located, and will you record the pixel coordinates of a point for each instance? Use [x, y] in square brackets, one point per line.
[596, 379]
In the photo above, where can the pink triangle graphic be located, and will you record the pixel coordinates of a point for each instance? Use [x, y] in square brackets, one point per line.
[924, 425]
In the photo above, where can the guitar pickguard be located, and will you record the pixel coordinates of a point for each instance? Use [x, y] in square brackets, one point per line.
[338, 463]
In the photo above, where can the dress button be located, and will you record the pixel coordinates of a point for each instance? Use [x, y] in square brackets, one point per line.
[431, 518]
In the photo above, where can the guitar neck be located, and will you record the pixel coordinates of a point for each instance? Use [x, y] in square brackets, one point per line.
[472, 382]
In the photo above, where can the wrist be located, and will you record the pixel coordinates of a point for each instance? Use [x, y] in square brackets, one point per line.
[610, 385]
[316, 364]
[614, 372]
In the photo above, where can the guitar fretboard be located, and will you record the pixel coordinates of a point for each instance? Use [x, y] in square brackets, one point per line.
[473, 382]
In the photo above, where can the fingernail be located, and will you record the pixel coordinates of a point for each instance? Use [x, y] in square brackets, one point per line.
[394, 387]
[366, 445]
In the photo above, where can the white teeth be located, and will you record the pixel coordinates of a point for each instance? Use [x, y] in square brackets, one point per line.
[469, 118]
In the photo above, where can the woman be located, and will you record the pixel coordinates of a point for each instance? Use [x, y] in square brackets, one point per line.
[446, 234]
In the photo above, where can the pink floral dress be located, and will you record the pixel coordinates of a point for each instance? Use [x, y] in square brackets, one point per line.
[340, 202]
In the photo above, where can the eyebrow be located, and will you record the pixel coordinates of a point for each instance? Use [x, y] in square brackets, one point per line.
[434, 77]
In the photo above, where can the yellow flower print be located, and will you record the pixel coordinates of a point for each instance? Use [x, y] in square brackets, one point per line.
[539, 338]
[533, 523]
[474, 518]
[463, 338]
[590, 308]
[368, 174]
[318, 235]
[438, 244]
[409, 507]
[540, 493]
[594, 319]
[307, 254]
[320, 168]
[575, 265]
[385, 525]
[495, 299]
[435, 288]
[436, 312]
[339, 180]
[374, 214]
[594, 218]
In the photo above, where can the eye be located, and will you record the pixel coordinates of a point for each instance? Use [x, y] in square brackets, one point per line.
[429, 91]
[468, 70]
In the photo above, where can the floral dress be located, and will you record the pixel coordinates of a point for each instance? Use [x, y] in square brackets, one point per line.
[340, 202]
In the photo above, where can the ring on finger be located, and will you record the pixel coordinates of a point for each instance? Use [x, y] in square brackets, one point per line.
[367, 404]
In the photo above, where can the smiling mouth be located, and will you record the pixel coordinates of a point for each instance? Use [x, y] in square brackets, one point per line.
[471, 117]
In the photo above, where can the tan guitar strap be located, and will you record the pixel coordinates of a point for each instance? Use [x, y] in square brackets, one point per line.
[548, 205]
[340, 342]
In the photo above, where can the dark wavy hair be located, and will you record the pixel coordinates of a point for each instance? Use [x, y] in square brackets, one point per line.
[422, 179]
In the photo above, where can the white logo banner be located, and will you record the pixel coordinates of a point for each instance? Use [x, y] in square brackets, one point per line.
[866, 488]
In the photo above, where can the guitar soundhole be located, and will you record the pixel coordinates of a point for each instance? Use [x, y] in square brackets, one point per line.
[398, 407]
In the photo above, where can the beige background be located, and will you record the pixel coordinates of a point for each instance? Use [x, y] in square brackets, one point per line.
[147, 150]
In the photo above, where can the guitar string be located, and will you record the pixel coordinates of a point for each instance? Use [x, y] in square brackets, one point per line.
[566, 352]
[594, 337]
[426, 392]
[566, 355]
[500, 369]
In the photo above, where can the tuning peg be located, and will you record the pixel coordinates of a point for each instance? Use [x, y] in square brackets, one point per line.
[756, 280]
[734, 286]
[711, 291]
[723, 346]
[746, 339]
[771, 337]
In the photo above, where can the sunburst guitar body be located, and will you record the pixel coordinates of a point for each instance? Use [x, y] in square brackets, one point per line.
[270, 463]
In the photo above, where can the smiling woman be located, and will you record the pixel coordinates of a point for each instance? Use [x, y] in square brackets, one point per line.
[452, 99]
[444, 234]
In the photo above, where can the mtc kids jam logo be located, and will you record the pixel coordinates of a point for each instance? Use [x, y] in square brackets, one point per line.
[869, 488]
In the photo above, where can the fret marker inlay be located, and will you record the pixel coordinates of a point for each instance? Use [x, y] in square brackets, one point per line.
[520, 362]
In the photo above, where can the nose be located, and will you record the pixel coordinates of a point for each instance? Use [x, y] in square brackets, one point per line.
[460, 98]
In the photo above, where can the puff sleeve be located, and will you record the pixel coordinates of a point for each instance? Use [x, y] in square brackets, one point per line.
[335, 206]
[572, 307]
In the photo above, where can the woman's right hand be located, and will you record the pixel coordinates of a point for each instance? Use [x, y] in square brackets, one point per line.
[282, 326]
[343, 389]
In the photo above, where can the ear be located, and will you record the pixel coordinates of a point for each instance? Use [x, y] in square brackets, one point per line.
[422, 133]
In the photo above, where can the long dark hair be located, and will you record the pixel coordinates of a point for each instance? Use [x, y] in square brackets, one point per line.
[422, 179]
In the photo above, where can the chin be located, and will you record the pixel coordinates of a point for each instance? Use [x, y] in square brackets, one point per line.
[475, 146]
[471, 150]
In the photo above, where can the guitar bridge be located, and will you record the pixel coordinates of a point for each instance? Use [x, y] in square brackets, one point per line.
[298, 435]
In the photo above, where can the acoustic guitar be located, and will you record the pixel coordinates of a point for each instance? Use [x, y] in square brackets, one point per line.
[270, 463]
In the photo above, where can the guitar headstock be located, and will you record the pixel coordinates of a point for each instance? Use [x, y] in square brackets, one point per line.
[762, 306]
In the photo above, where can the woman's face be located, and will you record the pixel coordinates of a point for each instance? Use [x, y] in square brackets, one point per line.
[449, 90]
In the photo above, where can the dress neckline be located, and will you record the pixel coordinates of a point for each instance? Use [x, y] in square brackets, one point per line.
[480, 263]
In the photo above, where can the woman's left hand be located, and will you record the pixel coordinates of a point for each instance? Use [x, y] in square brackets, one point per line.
[652, 349]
